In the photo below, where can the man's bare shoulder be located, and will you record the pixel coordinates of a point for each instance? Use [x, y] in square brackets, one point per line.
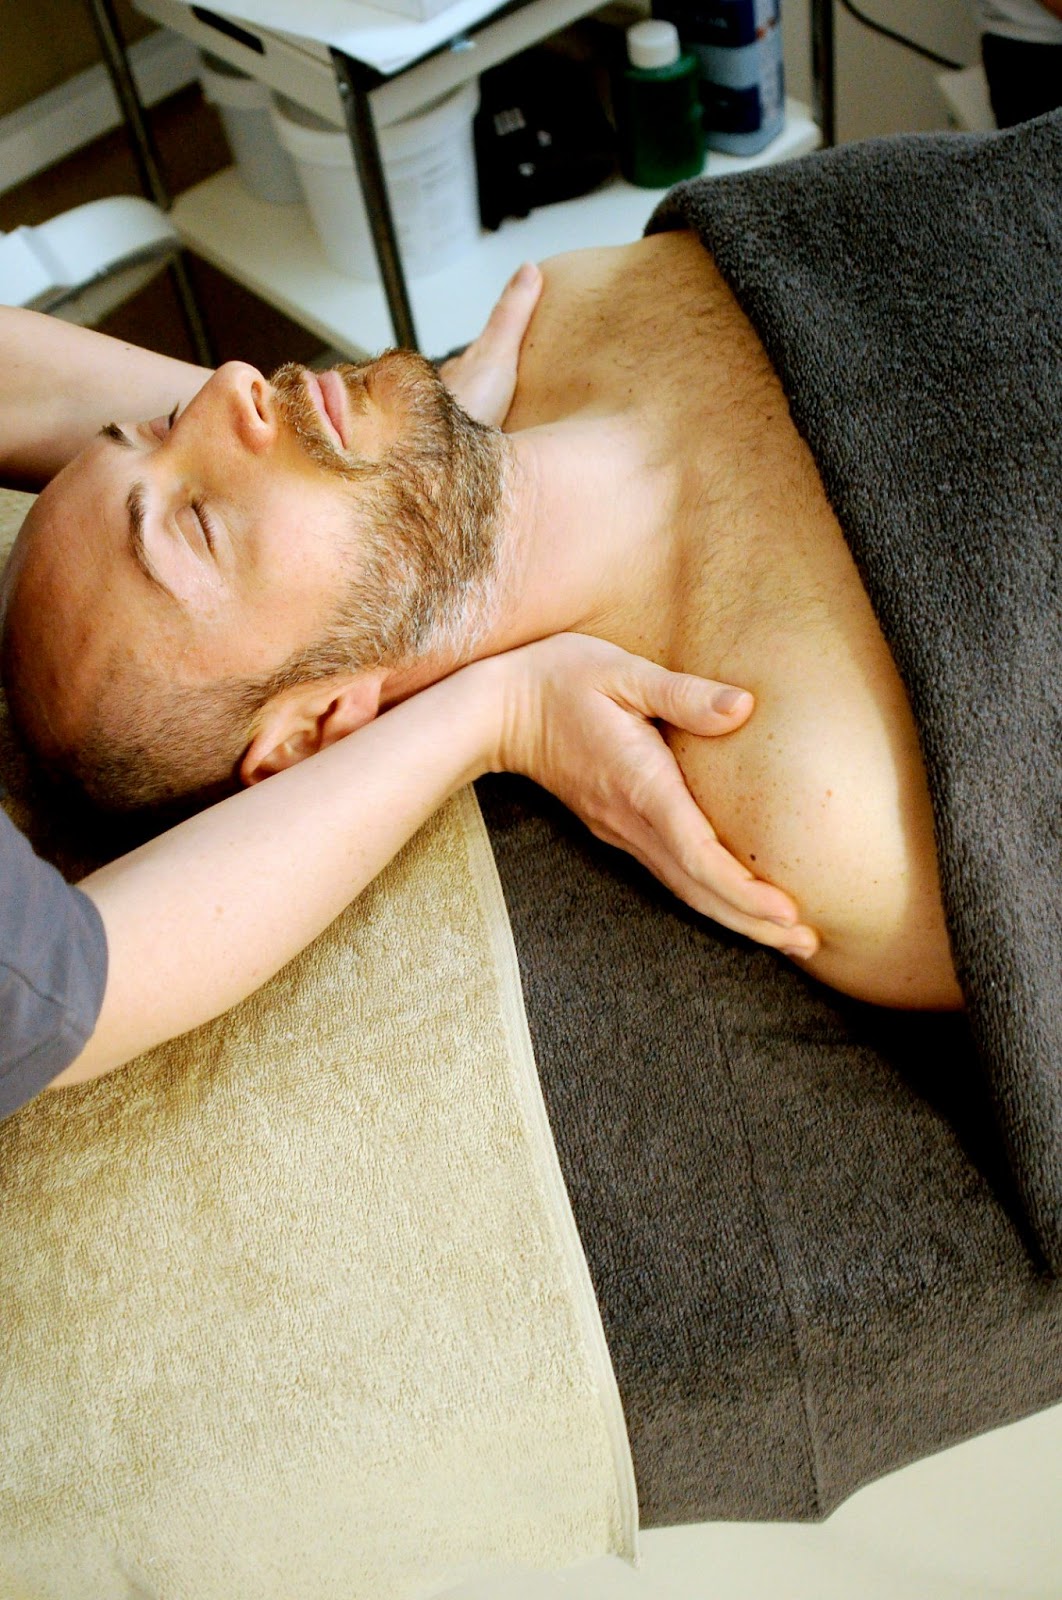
[612, 276]
[602, 311]
[595, 262]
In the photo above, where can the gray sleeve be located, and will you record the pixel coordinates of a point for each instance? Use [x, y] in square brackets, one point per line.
[53, 969]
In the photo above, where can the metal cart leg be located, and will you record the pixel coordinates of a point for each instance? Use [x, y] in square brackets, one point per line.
[354, 83]
[146, 158]
[823, 69]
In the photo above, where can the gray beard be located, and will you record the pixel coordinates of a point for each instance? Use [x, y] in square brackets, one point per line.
[429, 562]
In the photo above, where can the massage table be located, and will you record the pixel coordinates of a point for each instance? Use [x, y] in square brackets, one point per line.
[782, 1340]
[821, 1239]
[977, 1522]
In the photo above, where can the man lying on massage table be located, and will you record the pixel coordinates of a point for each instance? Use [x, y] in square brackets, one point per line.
[233, 587]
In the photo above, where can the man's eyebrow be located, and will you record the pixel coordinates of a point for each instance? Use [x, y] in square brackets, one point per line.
[113, 432]
[134, 505]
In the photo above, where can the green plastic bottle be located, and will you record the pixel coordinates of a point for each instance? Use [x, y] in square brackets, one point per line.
[658, 108]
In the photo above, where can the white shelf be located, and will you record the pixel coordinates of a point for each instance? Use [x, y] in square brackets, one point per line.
[381, 37]
[273, 250]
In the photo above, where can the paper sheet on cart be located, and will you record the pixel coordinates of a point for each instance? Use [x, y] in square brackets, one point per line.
[375, 37]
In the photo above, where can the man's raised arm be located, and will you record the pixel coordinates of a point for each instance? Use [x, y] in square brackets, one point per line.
[60, 383]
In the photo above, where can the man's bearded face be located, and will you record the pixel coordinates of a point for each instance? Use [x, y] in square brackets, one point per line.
[428, 495]
[311, 524]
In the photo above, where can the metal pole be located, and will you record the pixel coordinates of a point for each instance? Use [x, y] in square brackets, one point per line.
[823, 69]
[145, 156]
[361, 127]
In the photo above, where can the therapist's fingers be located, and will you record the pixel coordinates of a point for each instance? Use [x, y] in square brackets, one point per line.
[696, 705]
[483, 377]
[581, 719]
[664, 828]
[715, 884]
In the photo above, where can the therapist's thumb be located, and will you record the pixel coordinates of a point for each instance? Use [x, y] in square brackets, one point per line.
[699, 705]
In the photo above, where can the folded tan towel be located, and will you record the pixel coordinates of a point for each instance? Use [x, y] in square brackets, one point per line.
[296, 1305]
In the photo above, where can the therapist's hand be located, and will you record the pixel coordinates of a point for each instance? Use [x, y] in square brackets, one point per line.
[483, 377]
[579, 720]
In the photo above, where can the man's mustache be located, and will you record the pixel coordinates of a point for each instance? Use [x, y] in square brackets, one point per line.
[297, 410]
[403, 381]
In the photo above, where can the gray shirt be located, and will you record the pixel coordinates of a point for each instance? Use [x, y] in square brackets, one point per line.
[53, 968]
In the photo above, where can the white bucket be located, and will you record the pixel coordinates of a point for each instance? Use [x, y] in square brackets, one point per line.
[263, 165]
[430, 167]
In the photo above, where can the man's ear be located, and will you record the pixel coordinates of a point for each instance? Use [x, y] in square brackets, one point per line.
[308, 718]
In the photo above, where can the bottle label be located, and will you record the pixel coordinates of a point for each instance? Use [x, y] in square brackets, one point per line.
[729, 23]
[742, 68]
[729, 110]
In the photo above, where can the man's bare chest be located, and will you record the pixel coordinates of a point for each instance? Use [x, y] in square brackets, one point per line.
[823, 791]
[651, 333]
[648, 328]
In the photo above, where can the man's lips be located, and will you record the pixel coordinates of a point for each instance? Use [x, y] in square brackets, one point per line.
[329, 396]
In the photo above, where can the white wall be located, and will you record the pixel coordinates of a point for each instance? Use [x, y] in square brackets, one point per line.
[881, 87]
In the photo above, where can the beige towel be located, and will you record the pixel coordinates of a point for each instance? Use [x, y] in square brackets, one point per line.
[296, 1306]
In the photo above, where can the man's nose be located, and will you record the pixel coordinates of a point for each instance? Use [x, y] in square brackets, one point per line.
[247, 404]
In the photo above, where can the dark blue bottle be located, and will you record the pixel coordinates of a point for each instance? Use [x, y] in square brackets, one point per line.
[738, 44]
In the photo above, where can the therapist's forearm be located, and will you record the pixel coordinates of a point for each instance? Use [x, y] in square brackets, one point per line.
[59, 384]
[203, 915]
[208, 912]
